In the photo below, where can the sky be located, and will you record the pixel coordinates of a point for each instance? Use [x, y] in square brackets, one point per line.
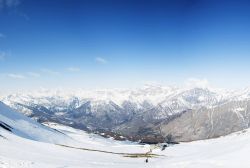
[123, 43]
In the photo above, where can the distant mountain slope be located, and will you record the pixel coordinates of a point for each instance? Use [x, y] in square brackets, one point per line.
[139, 112]
[206, 123]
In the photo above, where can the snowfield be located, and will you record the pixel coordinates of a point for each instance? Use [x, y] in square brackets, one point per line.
[229, 152]
[25, 127]
[32, 145]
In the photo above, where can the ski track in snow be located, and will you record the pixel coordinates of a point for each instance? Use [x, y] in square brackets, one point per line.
[32, 145]
[228, 152]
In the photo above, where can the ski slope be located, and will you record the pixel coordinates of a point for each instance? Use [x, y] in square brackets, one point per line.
[25, 127]
[21, 152]
[228, 152]
[32, 145]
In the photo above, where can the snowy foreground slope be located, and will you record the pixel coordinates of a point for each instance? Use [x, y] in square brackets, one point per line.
[27, 147]
[25, 127]
[228, 152]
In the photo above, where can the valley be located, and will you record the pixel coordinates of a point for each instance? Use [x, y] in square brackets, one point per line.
[148, 114]
[29, 146]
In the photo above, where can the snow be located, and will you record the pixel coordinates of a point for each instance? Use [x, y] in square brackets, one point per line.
[239, 109]
[18, 151]
[194, 95]
[27, 128]
[32, 145]
[169, 100]
[229, 152]
[154, 94]
[194, 90]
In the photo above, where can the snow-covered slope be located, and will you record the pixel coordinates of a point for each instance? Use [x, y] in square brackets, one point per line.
[130, 111]
[164, 101]
[154, 95]
[22, 144]
[25, 127]
[225, 152]
[148, 96]
[18, 152]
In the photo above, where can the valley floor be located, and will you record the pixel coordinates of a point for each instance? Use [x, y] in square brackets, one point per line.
[16, 152]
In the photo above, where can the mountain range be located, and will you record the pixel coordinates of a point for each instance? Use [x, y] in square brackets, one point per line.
[149, 114]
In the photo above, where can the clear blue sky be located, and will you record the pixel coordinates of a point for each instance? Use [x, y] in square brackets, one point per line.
[123, 43]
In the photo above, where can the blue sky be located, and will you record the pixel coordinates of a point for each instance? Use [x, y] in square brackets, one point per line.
[123, 43]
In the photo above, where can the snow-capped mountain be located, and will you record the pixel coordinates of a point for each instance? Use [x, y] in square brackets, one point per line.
[19, 150]
[80, 149]
[133, 111]
[149, 96]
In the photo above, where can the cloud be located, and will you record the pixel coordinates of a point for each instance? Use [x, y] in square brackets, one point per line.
[33, 74]
[73, 69]
[16, 76]
[25, 16]
[2, 35]
[200, 83]
[101, 60]
[151, 84]
[49, 71]
[9, 3]
[2, 55]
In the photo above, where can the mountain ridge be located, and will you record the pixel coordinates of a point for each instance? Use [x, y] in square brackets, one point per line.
[130, 112]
